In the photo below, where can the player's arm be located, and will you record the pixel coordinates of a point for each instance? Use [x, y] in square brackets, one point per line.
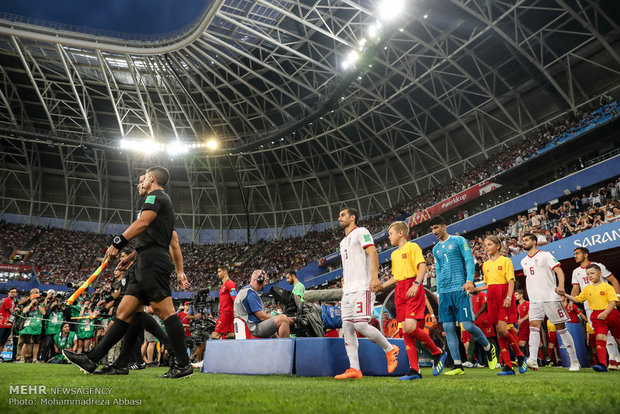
[437, 267]
[390, 282]
[574, 299]
[233, 292]
[470, 265]
[523, 319]
[429, 308]
[510, 276]
[560, 274]
[480, 288]
[575, 290]
[371, 251]
[581, 315]
[614, 282]
[177, 259]
[603, 315]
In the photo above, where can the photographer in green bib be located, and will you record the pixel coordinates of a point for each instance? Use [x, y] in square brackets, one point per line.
[65, 339]
[30, 333]
[86, 327]
[54, 316]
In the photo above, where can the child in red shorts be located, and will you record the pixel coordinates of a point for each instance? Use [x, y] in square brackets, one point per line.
[499, 281]
[605, 318]
[408, 270]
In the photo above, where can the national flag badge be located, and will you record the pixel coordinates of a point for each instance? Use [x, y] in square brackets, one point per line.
[450, 247]
[602, 293]
[499, 268]
[404, 255]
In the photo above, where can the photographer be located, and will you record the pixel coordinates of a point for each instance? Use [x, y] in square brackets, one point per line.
[29, 335]
[85, 329]
[54, 320]
[6, 317]
[249, 307]
[65, 339]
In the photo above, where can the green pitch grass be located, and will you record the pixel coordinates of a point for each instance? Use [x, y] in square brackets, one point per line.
[479, 390]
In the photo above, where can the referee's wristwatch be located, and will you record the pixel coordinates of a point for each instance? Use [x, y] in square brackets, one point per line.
[119, 241]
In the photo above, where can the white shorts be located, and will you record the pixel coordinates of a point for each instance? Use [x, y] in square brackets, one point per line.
[357, 306]
[554, 311]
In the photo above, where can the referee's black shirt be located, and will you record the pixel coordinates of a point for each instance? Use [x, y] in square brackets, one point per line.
[159, 232]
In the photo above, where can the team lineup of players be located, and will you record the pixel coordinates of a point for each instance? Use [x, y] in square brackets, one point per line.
[454, 265]
[157, 251]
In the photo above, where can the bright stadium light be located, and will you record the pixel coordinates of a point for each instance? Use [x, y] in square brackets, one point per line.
[351, 59]
[212, 144]
[177, 147]
[391, 9]
[373, 29]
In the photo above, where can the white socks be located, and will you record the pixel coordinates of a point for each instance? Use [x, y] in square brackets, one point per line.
[612, 348]
[351, 344]
[374, 335]
[569, 344]
[534, 343]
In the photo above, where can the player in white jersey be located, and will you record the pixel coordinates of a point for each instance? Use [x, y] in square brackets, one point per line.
[580, 281]
[360, 270]
[540, 269]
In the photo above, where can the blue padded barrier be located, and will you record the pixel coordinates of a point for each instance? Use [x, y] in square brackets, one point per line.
[250, 356]
[320, 357]
[576, 330]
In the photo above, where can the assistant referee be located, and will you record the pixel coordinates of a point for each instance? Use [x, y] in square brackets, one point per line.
[153, 233]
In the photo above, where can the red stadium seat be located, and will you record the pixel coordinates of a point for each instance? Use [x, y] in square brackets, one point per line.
[242, 331]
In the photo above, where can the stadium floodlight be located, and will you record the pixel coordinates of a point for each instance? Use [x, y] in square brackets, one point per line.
[391, 9]
[351, 59]
[212, 144]
[373, 29]
[177, 147]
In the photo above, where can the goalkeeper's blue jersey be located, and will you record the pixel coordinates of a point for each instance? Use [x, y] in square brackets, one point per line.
[454, 264]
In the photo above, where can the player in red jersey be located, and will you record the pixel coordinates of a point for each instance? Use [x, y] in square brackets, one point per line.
[228, 292]
[523, 309]
[479, 307]
[574, 313]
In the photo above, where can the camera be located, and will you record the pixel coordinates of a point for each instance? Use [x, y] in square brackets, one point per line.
[308, 320]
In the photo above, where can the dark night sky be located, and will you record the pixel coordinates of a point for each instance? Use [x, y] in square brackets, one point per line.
[125, 16]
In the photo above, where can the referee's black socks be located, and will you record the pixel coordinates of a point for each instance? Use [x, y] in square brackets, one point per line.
[115, 334]
[176, 334]
[151, 325]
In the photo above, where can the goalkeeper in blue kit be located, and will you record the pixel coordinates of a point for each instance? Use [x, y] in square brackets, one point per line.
[454, 265]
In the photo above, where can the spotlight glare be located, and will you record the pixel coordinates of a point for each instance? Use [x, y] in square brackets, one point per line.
[391, 9]
[212, 144]
[373, 29]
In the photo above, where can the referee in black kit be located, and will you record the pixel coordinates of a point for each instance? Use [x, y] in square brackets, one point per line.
[153, 233]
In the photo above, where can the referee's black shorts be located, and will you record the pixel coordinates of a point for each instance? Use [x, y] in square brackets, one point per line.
[153, 268]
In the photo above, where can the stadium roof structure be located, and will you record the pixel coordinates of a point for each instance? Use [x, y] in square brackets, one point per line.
[447, 85]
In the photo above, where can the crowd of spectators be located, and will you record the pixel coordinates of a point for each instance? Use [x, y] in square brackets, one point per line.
[61, 256]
